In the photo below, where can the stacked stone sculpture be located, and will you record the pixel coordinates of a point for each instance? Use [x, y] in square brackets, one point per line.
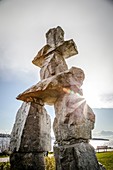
[74, 119]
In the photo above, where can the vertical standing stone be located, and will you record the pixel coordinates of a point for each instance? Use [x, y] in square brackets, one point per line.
[30, 137]
[55, 37]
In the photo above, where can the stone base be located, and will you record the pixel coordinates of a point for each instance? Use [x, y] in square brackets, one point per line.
[80, 156]
[27, 161]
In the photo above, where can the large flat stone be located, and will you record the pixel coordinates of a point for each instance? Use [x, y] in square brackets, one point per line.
[51, 88]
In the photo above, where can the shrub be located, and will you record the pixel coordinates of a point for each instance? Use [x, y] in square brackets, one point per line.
[50, 163]
[4, 166]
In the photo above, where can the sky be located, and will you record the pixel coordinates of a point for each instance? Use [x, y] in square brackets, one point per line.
[23, 25]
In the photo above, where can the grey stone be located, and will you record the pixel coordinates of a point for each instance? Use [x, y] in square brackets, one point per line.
[102, 166]
[80, 156]
[18, 126]
[51, 88]
[55, 45]
[30, 137]
[27, 161]
[55, 36]
[74, 119]
[31, 131]
[54, 64]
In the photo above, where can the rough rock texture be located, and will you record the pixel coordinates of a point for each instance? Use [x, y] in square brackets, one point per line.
[102, 166]
[53, 65]
[30, 137]
[27, 161]
[80, 156]
[55, 44]
[51, 57]
[36, 132]
[74, 119]
[31, 131]
[51, 88]
[19, 126]
[55, 36]
[67, 49]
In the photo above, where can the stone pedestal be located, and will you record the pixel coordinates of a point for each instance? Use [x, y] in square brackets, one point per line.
[27, 161]
[79, 156]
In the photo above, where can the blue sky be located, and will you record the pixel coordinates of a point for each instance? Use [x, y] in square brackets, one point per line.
[23, 25]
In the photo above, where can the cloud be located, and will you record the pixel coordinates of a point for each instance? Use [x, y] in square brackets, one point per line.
[106, 133]
[106, 97]
[106, 100]
[103, 134]
[19, 34]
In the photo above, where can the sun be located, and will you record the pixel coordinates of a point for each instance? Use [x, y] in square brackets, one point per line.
[91, 94]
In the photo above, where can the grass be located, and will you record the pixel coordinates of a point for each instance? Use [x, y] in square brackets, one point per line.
[3, 156]
[50, 163]
[4, 166]
[106, 158]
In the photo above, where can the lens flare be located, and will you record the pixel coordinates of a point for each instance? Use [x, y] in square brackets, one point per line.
[67, 90]
[76, 102]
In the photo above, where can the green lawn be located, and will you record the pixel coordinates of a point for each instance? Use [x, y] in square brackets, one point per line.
[4, 166]
[3, 156]
[106, 158]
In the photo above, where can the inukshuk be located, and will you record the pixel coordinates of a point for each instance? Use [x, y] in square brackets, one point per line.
[74, 119]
